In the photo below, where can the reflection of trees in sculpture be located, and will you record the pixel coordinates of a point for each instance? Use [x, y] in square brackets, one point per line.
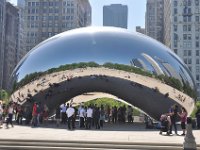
[175, 83]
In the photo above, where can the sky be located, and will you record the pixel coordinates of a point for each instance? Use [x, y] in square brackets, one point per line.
[136, 11]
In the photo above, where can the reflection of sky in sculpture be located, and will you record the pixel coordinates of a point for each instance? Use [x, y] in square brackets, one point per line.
[99, 45]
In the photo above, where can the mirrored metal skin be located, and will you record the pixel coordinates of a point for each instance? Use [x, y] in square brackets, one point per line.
[129, 65]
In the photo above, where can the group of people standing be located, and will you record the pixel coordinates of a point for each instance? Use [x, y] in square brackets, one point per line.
[170, 119]
[39, 114]
[6, 113]
[88, 116]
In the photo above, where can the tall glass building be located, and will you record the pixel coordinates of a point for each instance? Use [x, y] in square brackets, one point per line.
[115, 15]
[2, 37]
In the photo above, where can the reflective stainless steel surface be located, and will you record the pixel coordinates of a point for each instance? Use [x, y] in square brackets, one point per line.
[101, 53]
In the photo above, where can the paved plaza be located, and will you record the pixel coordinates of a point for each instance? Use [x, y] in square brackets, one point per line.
[115, 133]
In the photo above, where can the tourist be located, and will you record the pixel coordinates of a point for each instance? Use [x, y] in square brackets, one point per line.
[70, 114]
[130, 114]
[19, 111]
[96, 116]
[114, 114]
[102, 116]
[89, 117]
[183, 116]
[1, 114]
[58, 116]
[82, 115]
[63, 113]
[39, 113]
[198, 118]
[174, 116]
[10, 115]
[45, 114]
[34, 115]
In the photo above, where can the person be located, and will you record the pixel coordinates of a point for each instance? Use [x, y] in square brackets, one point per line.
[45, 114]
[165, 123]
[89, 117]
[58, 113]
[198, 118]
[174, 117]
[34, 115]
[183, 116]
[130, 114]
[102, 116]
[96, 116]
[82, 115]
[39, 113]
[1, 115]
[114, 114]
[70, 114]
[19, 114]
[63, 113]
[10, 115]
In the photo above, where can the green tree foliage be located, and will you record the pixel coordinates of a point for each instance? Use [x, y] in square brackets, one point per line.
[4, 95]
[196, 108]
[171, 81]
[111, 103]
[127, 68]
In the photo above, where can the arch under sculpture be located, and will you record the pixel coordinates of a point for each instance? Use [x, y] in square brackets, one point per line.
[131, 66]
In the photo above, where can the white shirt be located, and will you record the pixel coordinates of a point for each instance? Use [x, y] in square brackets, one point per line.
[70, 111]
[63, 109]
[89, 112]
[10, 110]
[82, 112]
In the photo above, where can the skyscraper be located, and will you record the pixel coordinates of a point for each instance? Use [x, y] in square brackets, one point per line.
[167, 23]
[115, 15]
[185, 34]
[11, 38]
[2, 37]
[47, 18]
[21, 43]
[154, 19]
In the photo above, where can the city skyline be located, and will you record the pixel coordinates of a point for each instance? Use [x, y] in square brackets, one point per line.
[136, 11]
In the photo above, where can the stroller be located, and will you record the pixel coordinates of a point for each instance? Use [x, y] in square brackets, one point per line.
[165, 123]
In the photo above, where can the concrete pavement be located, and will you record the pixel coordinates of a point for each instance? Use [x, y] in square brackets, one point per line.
[110, 133]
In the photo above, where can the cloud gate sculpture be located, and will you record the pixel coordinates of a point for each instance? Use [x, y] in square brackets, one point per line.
[131, 66]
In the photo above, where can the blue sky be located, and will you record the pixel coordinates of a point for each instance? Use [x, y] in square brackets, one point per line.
[136, 12]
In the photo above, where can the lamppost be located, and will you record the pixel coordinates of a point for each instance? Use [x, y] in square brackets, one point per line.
[189, 140]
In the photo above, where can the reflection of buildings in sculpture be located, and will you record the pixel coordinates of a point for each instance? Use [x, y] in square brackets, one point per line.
[139, 63]
[157, 70]
[168, 69]
[183, 76]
